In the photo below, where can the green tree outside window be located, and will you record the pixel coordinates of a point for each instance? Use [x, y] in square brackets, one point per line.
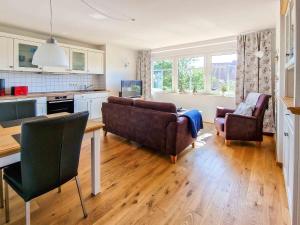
[191, 74]
[162, 75]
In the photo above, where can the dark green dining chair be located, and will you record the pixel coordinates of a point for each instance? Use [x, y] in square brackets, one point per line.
[50, 150]
[13, 111]
[17, 110]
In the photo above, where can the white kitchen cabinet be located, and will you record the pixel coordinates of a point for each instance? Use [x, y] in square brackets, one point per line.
[23, 54]
[91, 103]
[60, 69]
[95, 62]
[6, 53]
[288, 155]
[41, 106]
[96, 105]
[81, 104]
[16, 53]
[78, 60]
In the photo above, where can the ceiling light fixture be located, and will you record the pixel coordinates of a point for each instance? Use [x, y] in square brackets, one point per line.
[106, 15]
[49, 53]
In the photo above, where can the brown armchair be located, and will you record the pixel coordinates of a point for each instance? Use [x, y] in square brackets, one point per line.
[244, 128]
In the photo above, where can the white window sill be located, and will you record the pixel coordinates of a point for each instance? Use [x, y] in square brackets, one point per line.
[195, 94]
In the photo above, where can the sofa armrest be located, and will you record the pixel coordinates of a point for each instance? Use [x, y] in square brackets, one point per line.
[178, 136]
[239, 127]
[221, 111]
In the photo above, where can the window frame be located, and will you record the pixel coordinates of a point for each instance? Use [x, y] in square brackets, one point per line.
[207, 71]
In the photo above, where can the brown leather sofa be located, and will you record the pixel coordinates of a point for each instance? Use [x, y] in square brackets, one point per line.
[151, 124]
[243, 128]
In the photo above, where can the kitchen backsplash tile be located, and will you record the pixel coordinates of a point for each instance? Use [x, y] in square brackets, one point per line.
[45, 82]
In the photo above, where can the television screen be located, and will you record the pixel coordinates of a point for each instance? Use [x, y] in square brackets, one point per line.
[131, 88]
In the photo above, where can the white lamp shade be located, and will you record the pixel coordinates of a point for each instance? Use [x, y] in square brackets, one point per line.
[50, 54]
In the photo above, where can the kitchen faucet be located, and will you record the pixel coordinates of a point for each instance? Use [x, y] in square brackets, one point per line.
[87, 86]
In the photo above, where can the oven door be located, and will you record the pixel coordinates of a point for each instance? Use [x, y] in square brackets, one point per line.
[59, 106]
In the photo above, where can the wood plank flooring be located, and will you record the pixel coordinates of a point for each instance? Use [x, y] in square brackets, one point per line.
[212, 184]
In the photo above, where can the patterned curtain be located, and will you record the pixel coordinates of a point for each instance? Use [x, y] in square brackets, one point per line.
[144, 71]
[254, 74]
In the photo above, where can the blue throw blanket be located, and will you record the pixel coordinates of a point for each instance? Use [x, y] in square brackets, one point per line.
[195, 121]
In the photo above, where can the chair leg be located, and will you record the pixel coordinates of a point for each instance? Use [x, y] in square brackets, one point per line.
[258, 144]
[6, 202]
[173, 158]
[1, 190]
[80, 196]
[27, 212]
[105, 133]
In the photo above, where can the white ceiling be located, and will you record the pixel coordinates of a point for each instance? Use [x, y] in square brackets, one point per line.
[159, 23]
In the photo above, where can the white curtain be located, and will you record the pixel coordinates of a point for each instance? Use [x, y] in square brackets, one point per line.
[254, 74]
[144, 71]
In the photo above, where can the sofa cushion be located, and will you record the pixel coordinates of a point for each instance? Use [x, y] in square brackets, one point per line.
[120, 101]
[219, 122]
[158, 106]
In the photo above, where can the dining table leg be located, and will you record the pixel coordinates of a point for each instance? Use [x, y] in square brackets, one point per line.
[95, 160]
[1, 190]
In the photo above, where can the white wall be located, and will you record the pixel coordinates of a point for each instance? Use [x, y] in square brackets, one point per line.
[206, 103]
[116, 58]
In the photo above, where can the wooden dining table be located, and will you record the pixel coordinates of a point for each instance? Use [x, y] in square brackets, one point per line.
[10, 148]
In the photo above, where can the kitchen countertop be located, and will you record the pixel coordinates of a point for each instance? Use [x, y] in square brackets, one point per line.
[288, 101]
[47, 94]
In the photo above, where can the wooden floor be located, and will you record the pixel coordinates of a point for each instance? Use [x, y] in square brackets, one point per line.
[212, 184]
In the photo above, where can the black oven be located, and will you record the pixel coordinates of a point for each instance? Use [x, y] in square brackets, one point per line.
[58, 104]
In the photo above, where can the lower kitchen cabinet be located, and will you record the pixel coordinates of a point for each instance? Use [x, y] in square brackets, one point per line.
[41, 106]
[289, 155]
[91, 103]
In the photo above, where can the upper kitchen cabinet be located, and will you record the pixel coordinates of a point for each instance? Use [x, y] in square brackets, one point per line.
[23, 54]
[16, 54]
[95, 62]
[6, 53]
[60, 69]
[78, 60]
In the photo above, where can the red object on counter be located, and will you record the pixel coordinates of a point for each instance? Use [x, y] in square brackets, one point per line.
[2, 92]
[19, 90]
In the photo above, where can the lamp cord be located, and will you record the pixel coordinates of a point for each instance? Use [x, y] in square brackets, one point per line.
[125, 18]
[51, 19]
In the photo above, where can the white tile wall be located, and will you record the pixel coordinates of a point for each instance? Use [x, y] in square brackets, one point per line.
[45, 82]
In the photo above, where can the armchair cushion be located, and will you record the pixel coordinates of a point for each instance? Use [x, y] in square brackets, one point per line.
[244, 109]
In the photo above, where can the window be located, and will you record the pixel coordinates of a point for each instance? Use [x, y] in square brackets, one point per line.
[223, 73]
[210, 72]
[162, 75]
[191, 74]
